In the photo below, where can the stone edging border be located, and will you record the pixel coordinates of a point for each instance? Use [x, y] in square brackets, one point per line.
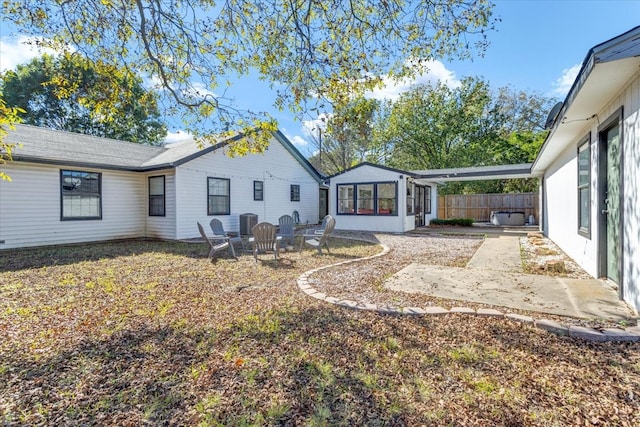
[631, 334]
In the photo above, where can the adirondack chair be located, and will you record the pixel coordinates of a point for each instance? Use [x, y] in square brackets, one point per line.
[264, 239]
[320, 239]
[218, 230]
[286, 229]
[215, 244]
[317, 231]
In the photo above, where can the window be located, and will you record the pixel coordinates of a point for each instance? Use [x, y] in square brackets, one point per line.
[410, 198]
[365, 199]
[218, 202]
[346, 199]
[427, 199]
[386, 199]
[81, 195]
[370, 199]
[295, 193]
[258, 190]
[156, 196]
[584, 193]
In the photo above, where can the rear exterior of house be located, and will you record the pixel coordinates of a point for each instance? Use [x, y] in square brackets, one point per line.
[590, 167]
[71, 188]
[268, 185]
[31, 207]
[370, 197]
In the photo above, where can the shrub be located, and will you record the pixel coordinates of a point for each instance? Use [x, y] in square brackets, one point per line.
[462, 222]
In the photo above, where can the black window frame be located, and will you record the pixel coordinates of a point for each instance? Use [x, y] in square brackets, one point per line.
[376, 199]
[154, 198]
[294, 192]
[258, 193]
[227, 197]
[63, 192]
[427, 199]
[584, 152]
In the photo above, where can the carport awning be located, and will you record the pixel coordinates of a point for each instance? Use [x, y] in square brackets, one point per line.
[475, 173]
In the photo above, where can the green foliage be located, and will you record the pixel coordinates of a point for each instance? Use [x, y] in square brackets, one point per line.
[194, 49]
[347, 137]
[436, 127]
[8, 117]
[462, 222]
[72, 93]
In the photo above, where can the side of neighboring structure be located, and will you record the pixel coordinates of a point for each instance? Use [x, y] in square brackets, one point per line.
[590, 167]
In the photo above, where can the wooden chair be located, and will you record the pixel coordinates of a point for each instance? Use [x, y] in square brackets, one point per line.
[218, 230]
[215, 244]
[286, 229]
[313, 232]
[264, 239]
[320, 238]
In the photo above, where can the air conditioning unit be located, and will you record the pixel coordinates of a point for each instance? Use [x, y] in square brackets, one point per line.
[247, 221]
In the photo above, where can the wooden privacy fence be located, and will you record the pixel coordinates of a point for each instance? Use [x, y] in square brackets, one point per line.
[480, 206]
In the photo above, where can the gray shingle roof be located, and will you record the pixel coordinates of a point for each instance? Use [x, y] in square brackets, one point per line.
[42, 145]
[54, 146]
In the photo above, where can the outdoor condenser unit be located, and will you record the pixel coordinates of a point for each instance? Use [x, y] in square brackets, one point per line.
[247, 221]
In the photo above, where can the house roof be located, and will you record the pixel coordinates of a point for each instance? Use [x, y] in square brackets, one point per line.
[605, 71]
[42, 145]
[457, 174]
[475, 173]
[373, 165]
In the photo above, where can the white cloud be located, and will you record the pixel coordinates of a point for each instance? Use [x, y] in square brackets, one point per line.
[311, 128]
[562, 85]
[296, 140]
[16, 51]
[299, 141]
[178, 135]
[428, 72]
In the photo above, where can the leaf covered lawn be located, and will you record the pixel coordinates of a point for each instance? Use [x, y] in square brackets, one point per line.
[152, 333]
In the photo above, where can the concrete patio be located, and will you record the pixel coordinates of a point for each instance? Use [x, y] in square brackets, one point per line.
[494, 276]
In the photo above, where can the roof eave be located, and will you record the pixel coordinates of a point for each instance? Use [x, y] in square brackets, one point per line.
[597, 65]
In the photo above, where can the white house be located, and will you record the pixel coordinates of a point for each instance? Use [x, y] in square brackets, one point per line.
[70, 188]
[378, 198]
[590, 167]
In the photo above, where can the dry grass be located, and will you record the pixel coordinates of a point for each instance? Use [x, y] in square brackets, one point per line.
[144, 332]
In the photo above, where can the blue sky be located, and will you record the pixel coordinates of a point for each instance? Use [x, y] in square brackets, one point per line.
[538, 46]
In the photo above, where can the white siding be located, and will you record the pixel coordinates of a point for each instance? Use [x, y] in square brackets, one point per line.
[163, 227]
[370, 174]
[30, 207]
[631, 183]
[276, 168]
[560, 198]
[561, 204]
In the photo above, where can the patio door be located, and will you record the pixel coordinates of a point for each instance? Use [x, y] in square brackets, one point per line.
[610, 215]
[419, 205]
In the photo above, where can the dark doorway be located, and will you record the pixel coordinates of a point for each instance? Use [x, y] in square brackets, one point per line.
[324, 204]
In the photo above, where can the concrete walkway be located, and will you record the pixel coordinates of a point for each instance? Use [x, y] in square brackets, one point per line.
[494, 276]
[501, 253]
